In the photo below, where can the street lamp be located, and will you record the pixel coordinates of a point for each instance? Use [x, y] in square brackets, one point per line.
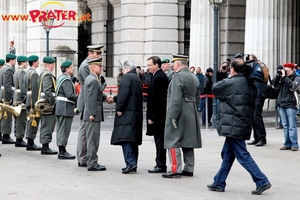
[47, 24]
[215, 4]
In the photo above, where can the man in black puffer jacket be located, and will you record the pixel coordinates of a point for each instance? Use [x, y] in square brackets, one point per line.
[237, 99]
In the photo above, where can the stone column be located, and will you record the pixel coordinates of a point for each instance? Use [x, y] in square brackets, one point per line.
[4, 40]
[201, 40]
[99, 17]
[162, 28]
[262, 31]
[117, 36]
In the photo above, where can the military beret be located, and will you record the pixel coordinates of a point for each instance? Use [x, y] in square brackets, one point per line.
[48, 59]
[179, 57]
[96, 48]
[33, 58]
[10, 56]
[290, 65]
[22, 58]
[165, 60]
[2, 62]
[66, 64]
[97, 61]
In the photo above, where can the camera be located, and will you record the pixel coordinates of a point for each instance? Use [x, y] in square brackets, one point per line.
[224, 67]
[279, 72]
[239, 55]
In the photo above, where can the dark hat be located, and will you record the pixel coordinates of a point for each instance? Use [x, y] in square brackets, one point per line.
[165, 60]
[48, 59]
[2, 62]
[22, 58]
[33, 58]
[279, 67]
[209, 70]
[66, 64]
[96, 48]
[179, 57]
[290, 65]
[10, 56]
[97, 61]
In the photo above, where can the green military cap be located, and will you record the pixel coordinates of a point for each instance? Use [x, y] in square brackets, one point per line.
[10, 56]
[179, 57]
[48, 59]
[97, 61]
[2, 62]
[96, 48]
[33, 58]
[66, 64]
[22, 58]
[165, 60]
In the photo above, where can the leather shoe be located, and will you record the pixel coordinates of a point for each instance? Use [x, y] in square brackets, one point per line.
[82, 165]
[157, 170]
[48, 151]
[33, 147]
[98, 168]
[212, 187]
[261, 189]
[185, 173]
[294, 149]
[285, 148]
[171, 175]
[1, 137]
[132, 170]
[260, 143]
[20, 144]
[129, 169]
[8, 141]
[65, 155]
[254, 142]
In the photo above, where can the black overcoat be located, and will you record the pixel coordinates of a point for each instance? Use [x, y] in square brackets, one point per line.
[129, 126]
[157, 103]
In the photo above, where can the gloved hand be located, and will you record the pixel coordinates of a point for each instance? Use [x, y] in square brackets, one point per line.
[102, 79]
[174, 122]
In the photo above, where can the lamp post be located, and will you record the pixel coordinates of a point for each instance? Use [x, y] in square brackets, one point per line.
[215, 5]
[47, 24]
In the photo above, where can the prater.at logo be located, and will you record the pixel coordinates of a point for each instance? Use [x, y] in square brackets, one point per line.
[50, 9]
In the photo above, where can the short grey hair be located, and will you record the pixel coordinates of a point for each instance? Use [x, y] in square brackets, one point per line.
[130, 64]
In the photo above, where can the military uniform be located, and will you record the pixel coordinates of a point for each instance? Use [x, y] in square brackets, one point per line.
[182, 129]
[7, 95]
[47, 85]
[32, 88]
[1, 65]
[83, 72]
[93, 98]
[19, 99]
[64, 110]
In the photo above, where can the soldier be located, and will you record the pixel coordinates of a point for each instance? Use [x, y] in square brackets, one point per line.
[166, 67]
[47, 92]
[7, 95]
[64, 108]
[93, 113]
[83, 71]
[32, 87]
[1, 65]
[19, 99]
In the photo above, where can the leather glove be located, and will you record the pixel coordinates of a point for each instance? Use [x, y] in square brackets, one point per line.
[174, 123]
[102, 79]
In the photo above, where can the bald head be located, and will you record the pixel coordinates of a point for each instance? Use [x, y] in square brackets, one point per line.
[239, 66]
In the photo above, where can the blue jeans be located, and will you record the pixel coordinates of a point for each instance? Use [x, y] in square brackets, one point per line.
[234, 148]
[289, 123]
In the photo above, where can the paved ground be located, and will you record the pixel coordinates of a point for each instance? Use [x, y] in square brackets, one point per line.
[29, 175]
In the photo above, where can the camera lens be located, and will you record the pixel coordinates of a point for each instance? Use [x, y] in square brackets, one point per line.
[224, 67]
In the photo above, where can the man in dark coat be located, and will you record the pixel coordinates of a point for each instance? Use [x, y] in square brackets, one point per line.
[156, 111]
[128, 125]
[64, 108]
[182, 129]
[237, 100]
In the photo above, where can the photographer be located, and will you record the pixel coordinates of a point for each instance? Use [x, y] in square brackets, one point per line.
[223, 71]
[287, 101]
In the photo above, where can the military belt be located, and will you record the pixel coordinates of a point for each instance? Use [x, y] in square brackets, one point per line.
[64, 99]
[190, 99]
[43, 94]
[2, 88]
[29, 92]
